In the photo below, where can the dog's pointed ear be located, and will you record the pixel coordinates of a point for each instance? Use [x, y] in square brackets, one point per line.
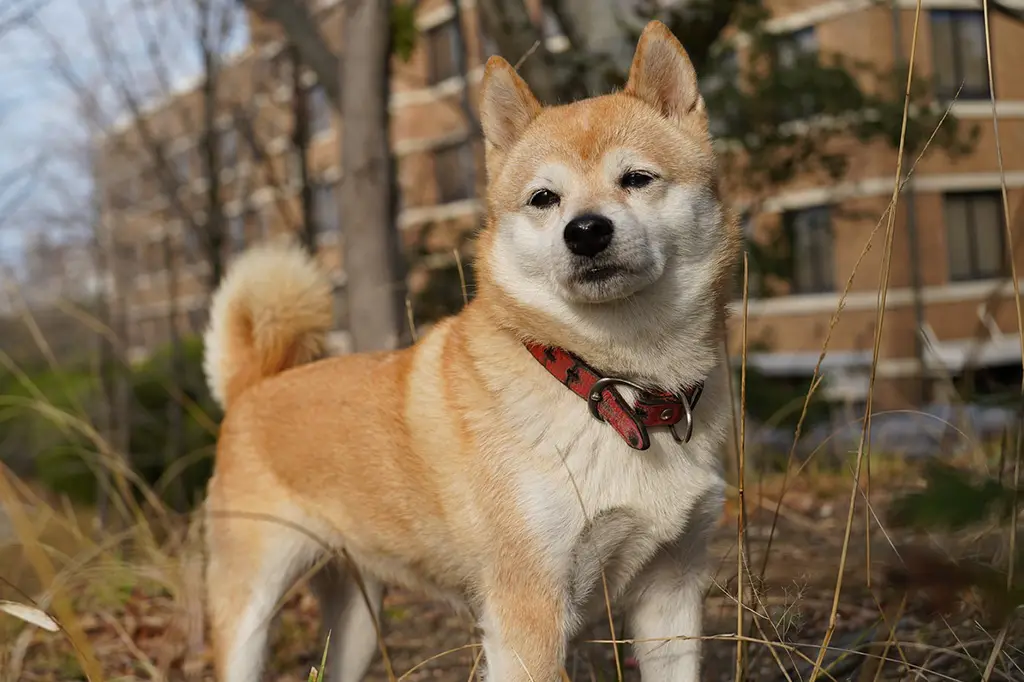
[663, 75]
[506, 104]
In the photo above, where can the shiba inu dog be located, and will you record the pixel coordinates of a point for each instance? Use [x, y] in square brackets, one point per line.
[555, 442]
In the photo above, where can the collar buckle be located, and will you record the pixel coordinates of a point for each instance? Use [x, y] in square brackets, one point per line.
[596, 394]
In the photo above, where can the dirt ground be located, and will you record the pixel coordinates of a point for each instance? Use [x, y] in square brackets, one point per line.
[140, 630]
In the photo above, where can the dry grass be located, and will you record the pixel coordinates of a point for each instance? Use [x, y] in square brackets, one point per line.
[796, 597]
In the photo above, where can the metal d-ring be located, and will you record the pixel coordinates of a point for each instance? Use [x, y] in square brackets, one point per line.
[688, 412]
[594, 398]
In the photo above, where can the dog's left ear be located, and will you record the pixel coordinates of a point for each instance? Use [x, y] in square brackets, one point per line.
[663, 75]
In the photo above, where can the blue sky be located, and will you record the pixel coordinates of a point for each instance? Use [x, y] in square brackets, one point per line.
[43, 134]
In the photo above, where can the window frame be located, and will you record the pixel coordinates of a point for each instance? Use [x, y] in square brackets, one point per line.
[956, 19]
[792, 46]
[235, 241]
[432, 37]
[319, 119]
[467, 190]
[727, 71]
[975, 272]
[229, 132]
[823, 279]
[326, 188]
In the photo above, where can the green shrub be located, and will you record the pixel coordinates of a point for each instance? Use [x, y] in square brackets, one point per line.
[40, 425]
[151, 386]
[64, 457]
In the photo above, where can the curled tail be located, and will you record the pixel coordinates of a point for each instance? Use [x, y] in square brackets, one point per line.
[272, 311]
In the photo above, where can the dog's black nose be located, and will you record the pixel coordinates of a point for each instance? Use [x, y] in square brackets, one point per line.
[588, 235]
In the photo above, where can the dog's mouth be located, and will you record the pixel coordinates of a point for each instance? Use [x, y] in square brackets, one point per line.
[599, 273]
[606, 279]
[593, 283]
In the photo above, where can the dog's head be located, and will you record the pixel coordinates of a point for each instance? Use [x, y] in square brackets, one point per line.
[610, 203]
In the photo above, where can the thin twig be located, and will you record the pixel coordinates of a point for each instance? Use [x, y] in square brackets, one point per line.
[740, 476]
[533, 48]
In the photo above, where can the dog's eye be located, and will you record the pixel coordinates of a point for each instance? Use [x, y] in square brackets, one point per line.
[635, 180]
[544, 198]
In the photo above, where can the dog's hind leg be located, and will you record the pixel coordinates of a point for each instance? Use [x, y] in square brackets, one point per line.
[352, 615]
[251, 564]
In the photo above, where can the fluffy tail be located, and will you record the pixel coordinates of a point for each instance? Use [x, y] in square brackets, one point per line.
[272, 311]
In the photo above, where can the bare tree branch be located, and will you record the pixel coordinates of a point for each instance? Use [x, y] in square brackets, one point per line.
[304, 34]
[21, 15]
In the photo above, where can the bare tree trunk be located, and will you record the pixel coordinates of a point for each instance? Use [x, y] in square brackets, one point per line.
[175, 446]
[376, 286]
[211, 157]
[300, 140]
[122, 384]
[104, 259]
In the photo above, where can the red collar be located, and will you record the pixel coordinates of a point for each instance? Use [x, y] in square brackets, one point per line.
[652, 408]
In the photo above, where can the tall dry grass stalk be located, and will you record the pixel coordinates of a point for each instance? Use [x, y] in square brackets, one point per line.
[741, 469]
[864, 448]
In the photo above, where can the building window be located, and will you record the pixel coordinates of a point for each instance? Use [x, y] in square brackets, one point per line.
[958, 41]
[190, 243]
[794, 53]
[228, 147]
[197, 320]
[812, 252]
[255, 230]
[293, 167]
[443, 52]
[717, 86]
[267, 215]
[154, 257]
[454, 167]
[235, 232]
[325, 207]
[134, 333]
[796, 46]
[265, 220]
[138, 331]
[180, 162]
[126, 193]
[975, 235]
[152, 332]
[318, 110]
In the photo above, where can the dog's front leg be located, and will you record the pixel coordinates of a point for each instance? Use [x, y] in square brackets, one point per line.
[523, 621]
[665, 613]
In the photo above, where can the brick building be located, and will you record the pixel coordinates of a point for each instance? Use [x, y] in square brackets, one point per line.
[962, 310]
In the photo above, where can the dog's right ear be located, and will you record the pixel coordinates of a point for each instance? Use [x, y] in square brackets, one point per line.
[507, 106]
